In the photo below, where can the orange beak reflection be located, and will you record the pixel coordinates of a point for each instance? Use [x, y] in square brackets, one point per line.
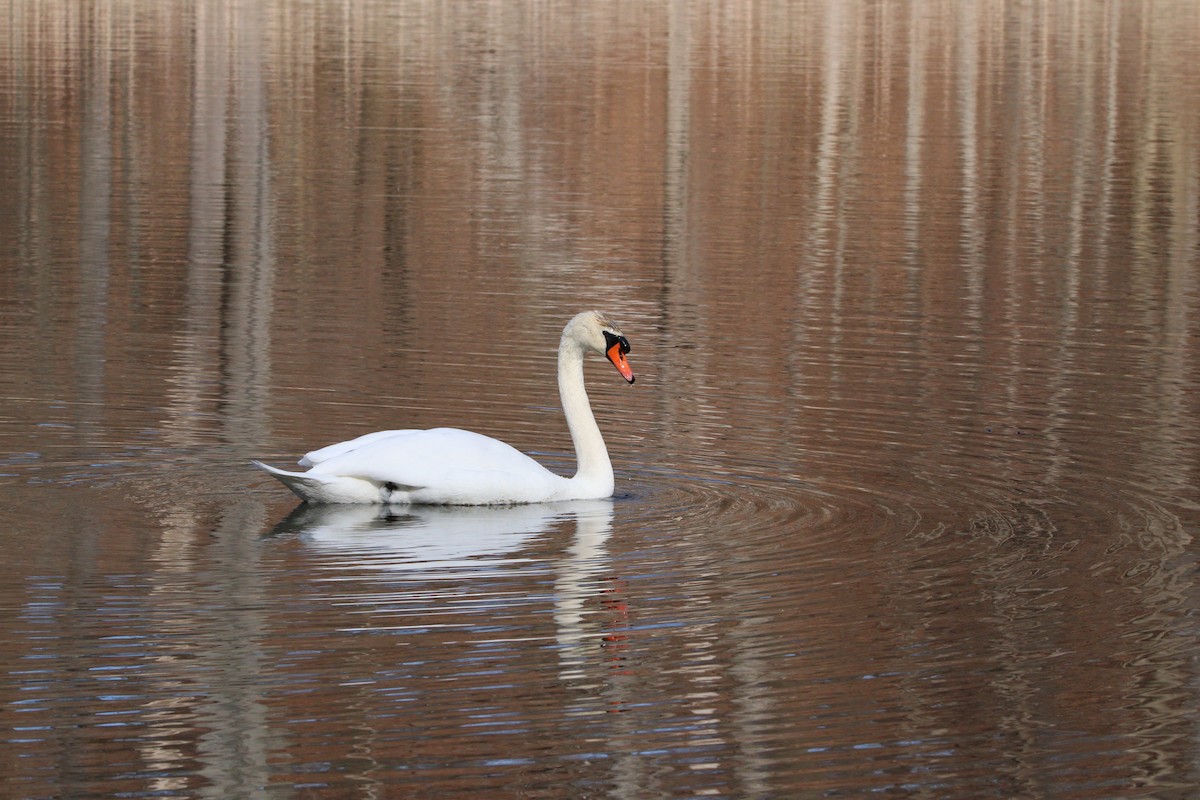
[617, 356]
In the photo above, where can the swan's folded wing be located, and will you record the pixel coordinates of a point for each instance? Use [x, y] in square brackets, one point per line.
[334, 450]
[455, 466]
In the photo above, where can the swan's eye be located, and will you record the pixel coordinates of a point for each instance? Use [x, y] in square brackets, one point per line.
[611, 339]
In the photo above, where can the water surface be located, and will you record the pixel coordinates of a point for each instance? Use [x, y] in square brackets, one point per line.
[906, 486]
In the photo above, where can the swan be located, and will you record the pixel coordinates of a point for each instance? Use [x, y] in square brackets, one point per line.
[448, 466]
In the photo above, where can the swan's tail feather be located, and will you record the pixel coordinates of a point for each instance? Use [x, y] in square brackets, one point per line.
[324, 488]
[306, 487]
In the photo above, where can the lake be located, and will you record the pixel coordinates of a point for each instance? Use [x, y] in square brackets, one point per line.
[906, 489]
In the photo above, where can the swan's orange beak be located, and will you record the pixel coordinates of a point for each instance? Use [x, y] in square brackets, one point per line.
[616, 354]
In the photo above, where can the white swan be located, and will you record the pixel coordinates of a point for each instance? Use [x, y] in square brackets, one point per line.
[447, 466]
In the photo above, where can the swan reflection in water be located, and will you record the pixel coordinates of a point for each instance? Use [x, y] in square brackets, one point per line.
[458, 543]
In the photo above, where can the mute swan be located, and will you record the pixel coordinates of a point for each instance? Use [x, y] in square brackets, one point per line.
[447, 466]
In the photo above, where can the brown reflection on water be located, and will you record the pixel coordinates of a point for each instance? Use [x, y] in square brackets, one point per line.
[919, 281]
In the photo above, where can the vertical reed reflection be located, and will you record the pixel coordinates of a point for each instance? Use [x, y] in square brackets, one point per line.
[95, 208]
[966, 71]
[682, 304]
[915, 136]
[221, 361]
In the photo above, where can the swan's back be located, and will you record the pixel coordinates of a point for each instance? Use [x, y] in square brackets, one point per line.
[326, 453]
[440, 465]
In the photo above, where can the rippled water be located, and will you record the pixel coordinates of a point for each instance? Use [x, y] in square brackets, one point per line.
[906, 486]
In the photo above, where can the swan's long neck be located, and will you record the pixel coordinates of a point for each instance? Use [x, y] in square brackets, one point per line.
[594, 465]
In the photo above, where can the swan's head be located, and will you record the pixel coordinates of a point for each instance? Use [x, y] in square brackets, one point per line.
[594, 330]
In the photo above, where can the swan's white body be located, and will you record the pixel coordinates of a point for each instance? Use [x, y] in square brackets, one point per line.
[447, 466]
